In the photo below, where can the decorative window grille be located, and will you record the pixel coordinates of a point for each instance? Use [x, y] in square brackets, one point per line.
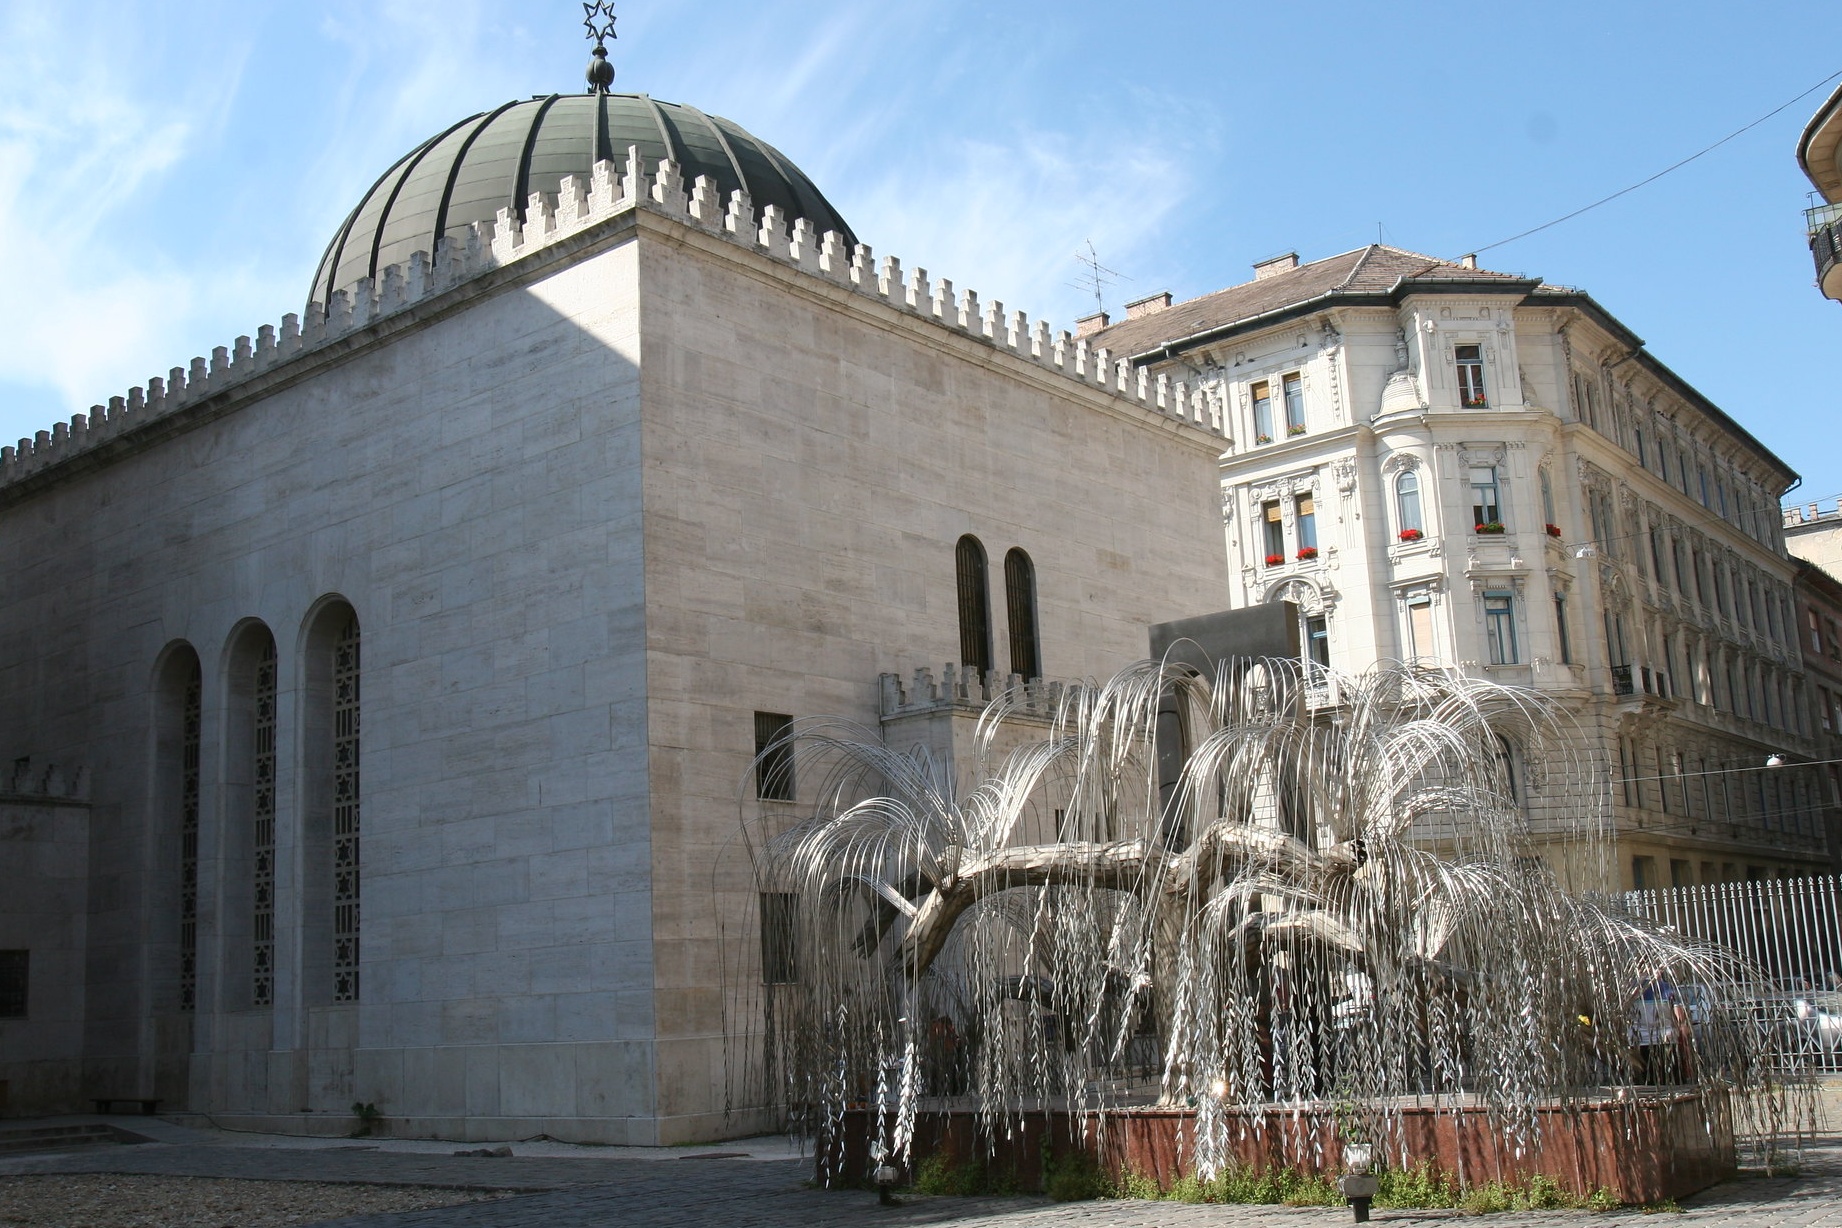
[191, 720]
[262, 920]
[779, 938]
[1500, 628]
[774, 757]
[1407, 500]
[1020, 601]
[1471, 376]
[974, 605]
[345, 814]
[15, 981]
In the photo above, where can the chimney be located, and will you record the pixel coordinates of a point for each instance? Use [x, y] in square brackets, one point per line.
[1148, 306]
[1273, 266]
[1469, 260]
[1087, 326]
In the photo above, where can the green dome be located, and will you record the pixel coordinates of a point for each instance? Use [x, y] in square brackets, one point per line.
[496, 159]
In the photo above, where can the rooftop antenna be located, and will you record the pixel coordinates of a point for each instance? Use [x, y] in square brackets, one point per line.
[598, 16]
[1097, 277]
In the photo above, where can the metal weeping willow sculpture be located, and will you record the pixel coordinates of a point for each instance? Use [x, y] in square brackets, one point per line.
[1339, 895]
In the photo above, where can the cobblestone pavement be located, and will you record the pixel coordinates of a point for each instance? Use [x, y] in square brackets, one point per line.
[578, 1187]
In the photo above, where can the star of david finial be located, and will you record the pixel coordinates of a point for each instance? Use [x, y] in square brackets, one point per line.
[598, 19]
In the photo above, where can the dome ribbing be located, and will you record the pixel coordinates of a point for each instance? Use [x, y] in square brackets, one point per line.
[496, 159]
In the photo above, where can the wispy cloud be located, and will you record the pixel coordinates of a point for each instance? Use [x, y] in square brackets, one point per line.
[88, 303]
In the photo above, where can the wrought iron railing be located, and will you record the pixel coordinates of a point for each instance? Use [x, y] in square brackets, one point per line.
[1621, 680]
[1790, 928]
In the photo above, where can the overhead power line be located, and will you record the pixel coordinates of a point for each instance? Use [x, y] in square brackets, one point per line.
[1666, 170]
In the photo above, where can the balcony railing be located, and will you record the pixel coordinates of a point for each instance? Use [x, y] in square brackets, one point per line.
[1825, 227]
[1621, 680]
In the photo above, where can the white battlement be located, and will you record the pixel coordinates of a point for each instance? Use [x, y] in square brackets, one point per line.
[577, 206]
[963, 686]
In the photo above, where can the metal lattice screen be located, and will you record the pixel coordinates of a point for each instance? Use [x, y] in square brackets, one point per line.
[192, 720]
[262, 841]
[345, 815]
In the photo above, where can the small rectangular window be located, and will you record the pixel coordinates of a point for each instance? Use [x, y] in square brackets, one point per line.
[1293, 387]
[1420, 645]
[1486, 508]
[1470, 376]
[779, 938]
[15, 981]
[1500, 628]
[1262, 393]
[773, 757]
[1681, 873]
[1560, 627]
[1275, 531]
[1307, 525]
[1643, 873]
[1816, 634]
[1317, 639]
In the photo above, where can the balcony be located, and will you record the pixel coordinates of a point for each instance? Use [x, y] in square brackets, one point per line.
[1824, 224]
[1621, 680]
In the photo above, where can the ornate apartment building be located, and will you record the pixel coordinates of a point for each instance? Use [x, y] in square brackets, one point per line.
[1446, 465]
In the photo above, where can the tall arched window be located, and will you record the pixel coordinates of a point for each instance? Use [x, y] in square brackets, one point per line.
[974, 605]
[330, 816]
[179, 694]
[1407, 501]
[1020, 604]
[249, 807]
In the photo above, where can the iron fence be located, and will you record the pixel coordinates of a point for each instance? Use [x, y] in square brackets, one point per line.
[1791, 928]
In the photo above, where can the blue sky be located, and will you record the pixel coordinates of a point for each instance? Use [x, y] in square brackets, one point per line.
[170, 170]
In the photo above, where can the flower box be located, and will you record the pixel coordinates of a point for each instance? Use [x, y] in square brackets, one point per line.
[1554, 530]
[1263, 439]
[1411, 535]
[1494, 527]
[1295, 430]
[1307, 552]
[1274, 560]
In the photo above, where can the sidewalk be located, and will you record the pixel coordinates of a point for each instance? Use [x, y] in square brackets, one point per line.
[759, 1183]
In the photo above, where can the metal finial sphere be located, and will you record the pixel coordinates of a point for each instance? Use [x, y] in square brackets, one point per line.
[598, 18]
[600, 72]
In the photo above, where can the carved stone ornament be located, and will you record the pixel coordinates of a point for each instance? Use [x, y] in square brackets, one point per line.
[1343, 472]
[1481, 454]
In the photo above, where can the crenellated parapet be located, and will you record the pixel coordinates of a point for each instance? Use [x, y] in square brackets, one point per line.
[963, 686]
[578, 206]
[29, 780]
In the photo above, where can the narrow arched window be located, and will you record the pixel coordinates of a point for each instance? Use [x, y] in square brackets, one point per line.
[248, 840]
[179, 698]
[331, 828]
[1020, 604]
[974, 605]
[1407, 502]
[345, 812]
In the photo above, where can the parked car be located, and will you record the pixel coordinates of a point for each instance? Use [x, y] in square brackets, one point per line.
[1819, 1029]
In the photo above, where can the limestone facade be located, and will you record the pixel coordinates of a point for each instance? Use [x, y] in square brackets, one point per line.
[538, 526]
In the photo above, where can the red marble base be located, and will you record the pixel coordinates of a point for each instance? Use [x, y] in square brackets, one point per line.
[1653, 1147]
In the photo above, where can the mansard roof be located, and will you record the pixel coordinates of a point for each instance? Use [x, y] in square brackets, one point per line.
[1368, 272]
